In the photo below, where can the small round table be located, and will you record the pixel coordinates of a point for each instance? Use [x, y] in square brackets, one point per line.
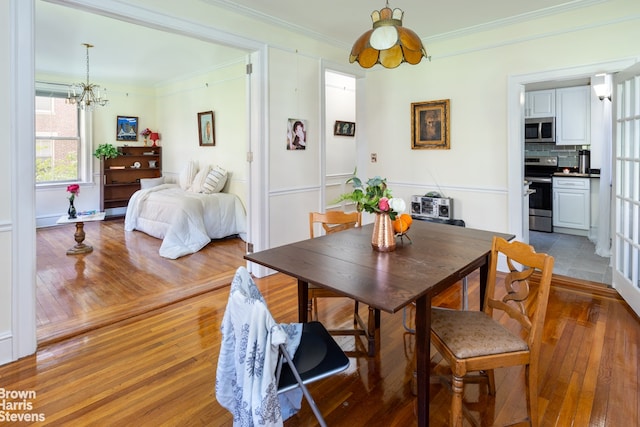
[80, 247]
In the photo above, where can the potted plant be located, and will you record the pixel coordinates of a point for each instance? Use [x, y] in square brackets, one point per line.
[106, 151]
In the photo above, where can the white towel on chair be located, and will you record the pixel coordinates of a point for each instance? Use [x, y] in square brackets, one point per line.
[245, 377]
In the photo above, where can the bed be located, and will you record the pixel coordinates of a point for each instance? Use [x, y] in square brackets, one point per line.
[186, 221]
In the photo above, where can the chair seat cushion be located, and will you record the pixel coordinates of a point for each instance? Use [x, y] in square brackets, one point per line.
[473, 333]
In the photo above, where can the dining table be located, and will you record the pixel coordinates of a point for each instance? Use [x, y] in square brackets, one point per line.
[428, 260]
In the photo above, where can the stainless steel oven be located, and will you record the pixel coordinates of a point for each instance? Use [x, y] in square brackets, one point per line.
[538, 171]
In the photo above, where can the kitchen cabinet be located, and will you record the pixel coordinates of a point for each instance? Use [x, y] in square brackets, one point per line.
[573, 116]
[572, 203]
[121, 175]
[540, 103]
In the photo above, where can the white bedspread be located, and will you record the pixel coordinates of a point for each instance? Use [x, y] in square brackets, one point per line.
[185, 221]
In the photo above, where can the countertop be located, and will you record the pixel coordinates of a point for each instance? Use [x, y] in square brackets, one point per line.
[577, 175]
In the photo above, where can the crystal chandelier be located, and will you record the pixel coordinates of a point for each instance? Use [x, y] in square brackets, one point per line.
[388, 43]
[87, 95]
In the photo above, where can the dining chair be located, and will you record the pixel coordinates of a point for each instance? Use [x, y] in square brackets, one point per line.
[334, 221]
[474, 341]
[263, 366]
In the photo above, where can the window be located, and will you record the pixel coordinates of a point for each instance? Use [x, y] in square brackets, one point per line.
[59, 140]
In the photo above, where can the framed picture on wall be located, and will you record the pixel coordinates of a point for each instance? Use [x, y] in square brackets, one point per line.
[296, 134]
[344, 128]
[206, 129]
[126, 128]
[430, 125]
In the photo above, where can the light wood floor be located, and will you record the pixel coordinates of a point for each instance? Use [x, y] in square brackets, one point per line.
[158, 368]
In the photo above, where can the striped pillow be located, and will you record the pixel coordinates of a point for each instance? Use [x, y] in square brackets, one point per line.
[216, 179]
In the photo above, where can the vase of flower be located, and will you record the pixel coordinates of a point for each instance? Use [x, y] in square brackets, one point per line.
[74, 189]
[72, 209]
[383, 238]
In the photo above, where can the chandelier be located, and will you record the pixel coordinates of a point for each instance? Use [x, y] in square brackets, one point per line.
[87, 95]
[388, 43]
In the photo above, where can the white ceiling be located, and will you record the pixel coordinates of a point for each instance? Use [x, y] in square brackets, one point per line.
[135, 54]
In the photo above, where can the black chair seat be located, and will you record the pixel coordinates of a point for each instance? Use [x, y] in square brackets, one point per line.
[318, 356]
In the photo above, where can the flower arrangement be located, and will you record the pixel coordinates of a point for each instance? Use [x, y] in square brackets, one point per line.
[145, 133]
[74, 189]
[375, 197]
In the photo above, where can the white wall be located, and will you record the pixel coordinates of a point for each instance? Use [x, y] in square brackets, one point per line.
[222, 91]
[294, 175]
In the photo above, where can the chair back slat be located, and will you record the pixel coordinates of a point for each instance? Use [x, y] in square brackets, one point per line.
[334, 221]
[520, 299]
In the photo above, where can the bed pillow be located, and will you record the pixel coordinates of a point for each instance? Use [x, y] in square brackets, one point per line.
[216, 179]
[199, 179]
[150, 182]
[187, 174]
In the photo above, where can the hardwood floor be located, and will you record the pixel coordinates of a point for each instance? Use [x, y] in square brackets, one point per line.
[119, 279]
[158, 368]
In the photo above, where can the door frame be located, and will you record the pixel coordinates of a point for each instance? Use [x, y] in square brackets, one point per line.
[23, 340]
[515, 126]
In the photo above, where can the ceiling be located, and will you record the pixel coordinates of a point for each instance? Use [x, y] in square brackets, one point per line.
[136, 54]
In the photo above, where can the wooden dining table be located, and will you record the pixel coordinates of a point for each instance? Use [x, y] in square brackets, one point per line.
[436, 257]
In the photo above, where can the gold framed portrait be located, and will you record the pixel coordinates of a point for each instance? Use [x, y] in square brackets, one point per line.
[430, 125]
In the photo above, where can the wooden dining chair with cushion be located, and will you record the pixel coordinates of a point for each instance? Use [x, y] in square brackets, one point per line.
[474, 342]
[334, 221]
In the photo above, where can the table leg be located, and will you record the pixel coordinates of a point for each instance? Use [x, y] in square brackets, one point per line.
[484, 274]
[303, 295]
[80, 247]
[423, 357]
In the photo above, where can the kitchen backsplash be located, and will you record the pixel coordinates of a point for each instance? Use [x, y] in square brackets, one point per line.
[567, 154]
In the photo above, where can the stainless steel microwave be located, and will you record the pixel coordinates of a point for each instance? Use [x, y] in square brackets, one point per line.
[540, 129]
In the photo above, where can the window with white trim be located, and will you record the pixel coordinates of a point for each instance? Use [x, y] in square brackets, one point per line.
[59, 140]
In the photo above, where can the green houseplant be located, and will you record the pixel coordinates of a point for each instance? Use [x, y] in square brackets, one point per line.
[106, 151]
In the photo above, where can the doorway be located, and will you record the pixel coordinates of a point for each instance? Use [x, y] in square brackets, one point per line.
[23, 288]
[516, 98]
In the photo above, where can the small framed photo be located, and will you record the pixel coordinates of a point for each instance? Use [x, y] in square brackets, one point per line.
[206, 129]
[430, 125]
[296, 134]
[344, 128]
[126, 128]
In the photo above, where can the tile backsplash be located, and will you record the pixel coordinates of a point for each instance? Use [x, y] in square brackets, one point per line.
[567, 154]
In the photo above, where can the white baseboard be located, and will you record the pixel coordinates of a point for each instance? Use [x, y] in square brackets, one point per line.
[6, 347]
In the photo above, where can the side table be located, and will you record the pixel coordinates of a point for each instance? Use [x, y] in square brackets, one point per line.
[80, 247]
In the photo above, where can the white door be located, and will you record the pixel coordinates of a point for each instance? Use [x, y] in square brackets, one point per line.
[626, 186]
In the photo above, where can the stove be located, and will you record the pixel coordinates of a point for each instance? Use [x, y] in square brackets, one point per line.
[539, 170]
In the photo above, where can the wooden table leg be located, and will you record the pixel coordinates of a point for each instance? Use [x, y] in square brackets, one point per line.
[484, 274]
[303, 296]
[423, 357]
[80, 247]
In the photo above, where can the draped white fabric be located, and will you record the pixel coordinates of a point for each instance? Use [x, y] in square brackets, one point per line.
[245, 376]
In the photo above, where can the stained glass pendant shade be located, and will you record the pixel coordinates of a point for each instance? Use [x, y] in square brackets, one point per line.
[388, 43]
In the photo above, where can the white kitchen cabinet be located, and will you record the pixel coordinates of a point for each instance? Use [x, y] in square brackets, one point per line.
[540, 103]
[573, 116]
[571, 203]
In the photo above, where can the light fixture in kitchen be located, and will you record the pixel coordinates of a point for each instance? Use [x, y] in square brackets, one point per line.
[388, 43]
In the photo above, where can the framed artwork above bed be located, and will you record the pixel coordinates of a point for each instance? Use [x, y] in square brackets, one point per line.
[206, 129]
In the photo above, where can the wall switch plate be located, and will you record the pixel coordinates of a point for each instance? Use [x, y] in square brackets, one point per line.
[374, 157]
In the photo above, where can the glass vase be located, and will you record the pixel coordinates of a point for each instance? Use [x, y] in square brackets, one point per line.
[72, 210]
[383, 238]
